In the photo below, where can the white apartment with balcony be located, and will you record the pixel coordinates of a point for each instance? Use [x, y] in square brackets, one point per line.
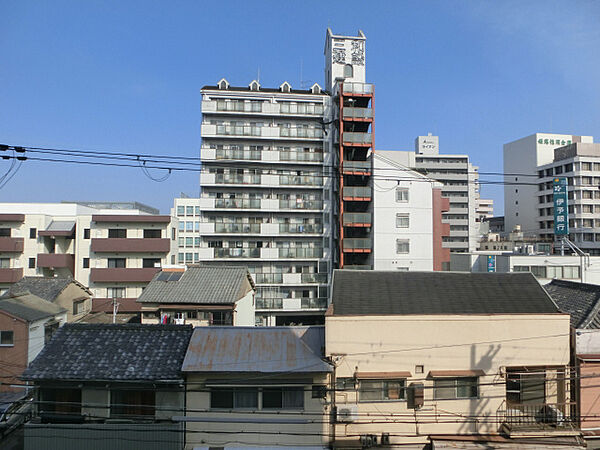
[113, 248]
[265, 201]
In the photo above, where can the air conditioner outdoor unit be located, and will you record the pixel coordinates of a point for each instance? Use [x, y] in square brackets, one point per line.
[347, 413]
[368, 440]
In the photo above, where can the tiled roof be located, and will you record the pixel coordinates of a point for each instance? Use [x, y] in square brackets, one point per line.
[44, 287]
[199, 285]
[256, 349]
[580, 300]
[29, 307]
[388, 292]
[114, 352]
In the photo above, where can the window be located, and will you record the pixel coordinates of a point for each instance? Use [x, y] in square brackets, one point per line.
[86, 263]
[86, 233]
[7, 338]
[571, 272]
[401, 195]
[151, 262]
[117, 233]
[116, 292]
[453, 388]
[402, 246]
[180, 210]
[234, 398]
[348, 71]
[4, 232]
[116, 263]
[4, 263]
[402, 220]
[539, 271]
[381, 390]
[152, 234]
[523, 388]
[283, 398]
[32, 233]
[60, 400]
[32, 263]
[127, 403]
[79, 307]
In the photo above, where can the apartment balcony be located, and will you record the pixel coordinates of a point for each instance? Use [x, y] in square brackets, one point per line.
[56, 261]
[361, 114]
[316, 205]
[237, 228]
[300, 156]
[11, 244]
[131, 218]
[357, 219]
[356, 245]
[234, 178]
[128, 245]
[303, 133]
[300, 228]
[210, 130]
[301, 253]
[123, 275]
[314, 278]
[357, 193]
[300, 180]
[11, 275]
[269, 303]
[237, 203]
[301, 109]
[237, 253]
[12, 218]
[313, 303]
[249, 155]
[357, 89]
[353, 138]
[261, 108]
[532, 419]
[268, 278]
[356, 168]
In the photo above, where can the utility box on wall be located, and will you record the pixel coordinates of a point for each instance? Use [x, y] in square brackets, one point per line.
[415, 395]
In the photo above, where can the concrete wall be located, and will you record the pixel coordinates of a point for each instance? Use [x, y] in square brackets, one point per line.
[231, 429]
[244, 310]
[489, 343]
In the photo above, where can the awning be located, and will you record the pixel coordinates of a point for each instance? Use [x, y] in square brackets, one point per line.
[382, 375]
[59, 228]
[455, 373]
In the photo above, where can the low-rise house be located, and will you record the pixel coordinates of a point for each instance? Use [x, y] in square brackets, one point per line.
[256, 386]
[582, 302]
[65, 292]
[27, 323]
[200, 295]
[442, 359]
[111, 384]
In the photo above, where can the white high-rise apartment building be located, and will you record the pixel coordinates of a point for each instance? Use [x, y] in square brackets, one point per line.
[521, 160]
[114, 248]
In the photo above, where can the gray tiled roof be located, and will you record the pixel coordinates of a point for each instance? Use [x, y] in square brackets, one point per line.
[29, 307]
[389, 292]
[114, 352]
[44, 287]
[256, 349]
[201, 285]
[580, 300]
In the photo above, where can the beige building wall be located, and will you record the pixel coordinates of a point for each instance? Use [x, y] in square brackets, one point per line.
[396, 344]
[307, 428]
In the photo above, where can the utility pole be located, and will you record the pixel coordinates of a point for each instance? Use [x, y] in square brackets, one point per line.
[115, 308]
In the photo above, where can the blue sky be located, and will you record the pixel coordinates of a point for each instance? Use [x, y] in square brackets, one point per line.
[125, 76]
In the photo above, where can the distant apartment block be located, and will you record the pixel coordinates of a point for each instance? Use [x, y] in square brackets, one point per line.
[113, 248]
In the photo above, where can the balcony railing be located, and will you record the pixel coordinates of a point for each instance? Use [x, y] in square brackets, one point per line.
[301, 108]
[300, 180]
[300, 252]
[358, 88]
[313, 303]
[239, 130]
[357, 113]
[301, 156]
[238, 154]
[308, 133]
[350, 219]
[56, 260]
[131, 245]
[356, 166]
[314, 278]
[300, 204]
[300, 228]
[357, 191]
[234, 178]
[268, 278]
[358, 267]
[239, 106]
[125, 275]
[356, 138]
[269, 303]
[237, 252]
[238, 203]
[11, 244]
[237, 228]
[540, 415]
[357, 244]
[8, 275]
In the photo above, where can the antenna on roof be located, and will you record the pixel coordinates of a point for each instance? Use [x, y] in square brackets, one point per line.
[302, 84]
[258, 75]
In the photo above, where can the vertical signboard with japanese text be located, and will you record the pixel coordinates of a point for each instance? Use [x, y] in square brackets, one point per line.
[491, 263]
[561, 210]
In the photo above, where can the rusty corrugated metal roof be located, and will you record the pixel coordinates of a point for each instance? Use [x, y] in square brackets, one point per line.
[256, 349]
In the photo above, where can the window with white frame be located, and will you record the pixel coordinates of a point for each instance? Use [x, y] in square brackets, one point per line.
[455, 388]
[402, 220]
[401, 195]
[402, 246]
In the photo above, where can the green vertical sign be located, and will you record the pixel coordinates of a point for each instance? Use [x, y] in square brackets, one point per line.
[561, 210]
